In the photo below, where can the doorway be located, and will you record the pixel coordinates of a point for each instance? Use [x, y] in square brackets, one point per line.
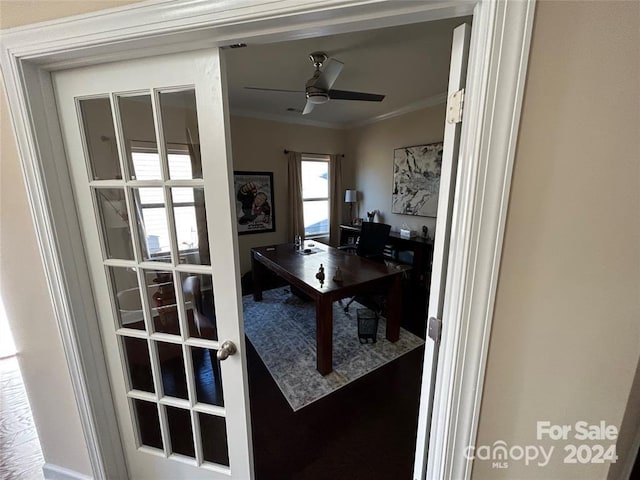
[382, 404]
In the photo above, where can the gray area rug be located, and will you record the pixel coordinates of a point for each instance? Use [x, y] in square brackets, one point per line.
[282, 328]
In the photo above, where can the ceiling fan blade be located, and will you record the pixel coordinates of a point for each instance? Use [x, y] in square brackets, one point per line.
[308, 107]
[346, 95]
[274, 90]
[330, 71]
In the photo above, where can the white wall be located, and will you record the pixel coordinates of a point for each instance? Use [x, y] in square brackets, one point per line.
[566, 331]
[371, 149]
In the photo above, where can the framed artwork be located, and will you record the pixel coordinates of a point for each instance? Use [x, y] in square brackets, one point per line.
[254, 202]
[416, 179]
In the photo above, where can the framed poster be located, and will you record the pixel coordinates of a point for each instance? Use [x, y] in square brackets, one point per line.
[416, 179]
[254, 202]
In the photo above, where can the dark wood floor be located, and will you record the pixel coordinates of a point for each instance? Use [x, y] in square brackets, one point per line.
[365, 430]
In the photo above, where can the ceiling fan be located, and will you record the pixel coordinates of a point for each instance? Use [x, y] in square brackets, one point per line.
[318, 88]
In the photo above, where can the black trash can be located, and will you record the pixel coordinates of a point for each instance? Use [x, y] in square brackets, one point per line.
[367, 325]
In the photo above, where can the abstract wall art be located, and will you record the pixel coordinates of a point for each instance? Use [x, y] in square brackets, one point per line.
[416, 179]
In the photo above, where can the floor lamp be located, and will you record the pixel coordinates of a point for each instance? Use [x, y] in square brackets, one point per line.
[351, 197]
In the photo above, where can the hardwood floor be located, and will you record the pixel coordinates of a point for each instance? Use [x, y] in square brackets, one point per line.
[20, 453]
[366, 430]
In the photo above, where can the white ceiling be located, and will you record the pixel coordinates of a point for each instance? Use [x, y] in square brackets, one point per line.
[409, 64]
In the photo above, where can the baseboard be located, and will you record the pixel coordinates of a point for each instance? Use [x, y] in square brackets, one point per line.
[54, 472]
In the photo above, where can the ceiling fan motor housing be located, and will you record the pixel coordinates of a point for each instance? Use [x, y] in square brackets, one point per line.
[316, 95]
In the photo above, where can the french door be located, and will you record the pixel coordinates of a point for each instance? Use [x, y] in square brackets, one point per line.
[446, 194]
[148, 152]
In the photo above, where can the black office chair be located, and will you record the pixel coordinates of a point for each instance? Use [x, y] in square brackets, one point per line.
[370, 244]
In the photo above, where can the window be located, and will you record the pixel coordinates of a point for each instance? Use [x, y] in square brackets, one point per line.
[315, 194]
[147, 167]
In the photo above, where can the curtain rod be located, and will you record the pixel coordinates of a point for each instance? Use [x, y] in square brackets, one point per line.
[312, 153]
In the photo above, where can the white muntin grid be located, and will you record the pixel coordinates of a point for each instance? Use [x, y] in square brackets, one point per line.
[142, 266]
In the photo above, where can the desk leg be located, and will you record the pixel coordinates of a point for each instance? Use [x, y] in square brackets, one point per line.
[324, 334]
[257, 272]
[394, 309]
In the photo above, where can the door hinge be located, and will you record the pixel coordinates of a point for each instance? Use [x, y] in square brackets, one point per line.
[435, 329]
[455, 106]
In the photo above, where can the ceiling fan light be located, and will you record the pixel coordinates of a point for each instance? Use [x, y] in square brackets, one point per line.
[318, 97]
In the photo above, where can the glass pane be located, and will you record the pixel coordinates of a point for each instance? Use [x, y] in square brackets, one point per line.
[151, 215]
[138, 364]
[315, 179]
[114, 220]
[139, 136]
[174, 378]
[206, 369]
[214, 439]
[199, 305]
[316, 217]
[126, 293]
[146, 164]
[100, 138]
[191, 225]
[180, 431]
[148, 423]
[181, 135]
[161, 294]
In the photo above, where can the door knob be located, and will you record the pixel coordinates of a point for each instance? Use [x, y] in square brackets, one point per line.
[227, 349]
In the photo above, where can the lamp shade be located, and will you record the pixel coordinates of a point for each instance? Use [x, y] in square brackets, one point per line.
[351, 196]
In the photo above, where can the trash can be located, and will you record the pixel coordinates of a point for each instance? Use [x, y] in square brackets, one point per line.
[367, 325]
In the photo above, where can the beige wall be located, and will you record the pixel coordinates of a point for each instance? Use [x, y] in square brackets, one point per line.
[371, 148]
[22, 282]
[566, 331]
[258, 145]
[565, 338]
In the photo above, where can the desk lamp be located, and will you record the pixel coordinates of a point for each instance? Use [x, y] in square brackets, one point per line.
[351, 197]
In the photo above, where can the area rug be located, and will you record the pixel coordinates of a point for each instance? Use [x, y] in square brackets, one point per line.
[283, 331]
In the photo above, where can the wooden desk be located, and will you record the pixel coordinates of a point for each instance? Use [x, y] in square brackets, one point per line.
[414, 251]
[359, 274]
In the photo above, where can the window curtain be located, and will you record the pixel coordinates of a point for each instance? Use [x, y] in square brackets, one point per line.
[137, 205]
[336, 198]
[296, 218]
[199, 207]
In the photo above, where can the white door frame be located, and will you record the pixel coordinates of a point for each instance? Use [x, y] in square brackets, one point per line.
[495, 82]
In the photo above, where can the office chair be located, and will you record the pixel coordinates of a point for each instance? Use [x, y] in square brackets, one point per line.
[370, 244]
